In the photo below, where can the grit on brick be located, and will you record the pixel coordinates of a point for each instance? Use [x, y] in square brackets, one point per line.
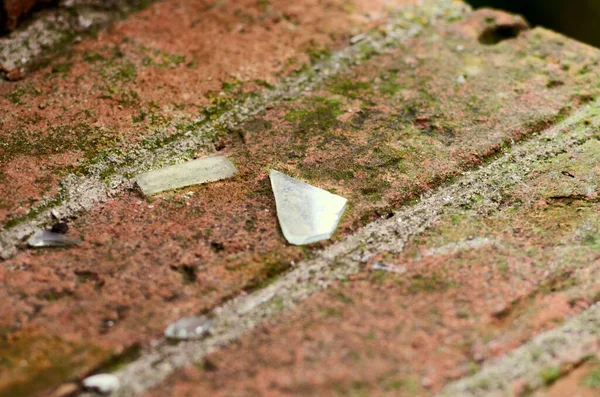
[394, 127]
[473, 287]
[153, 73]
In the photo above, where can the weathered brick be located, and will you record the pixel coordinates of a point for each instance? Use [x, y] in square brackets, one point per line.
[478, 284]
[399, 124]
[154, 75]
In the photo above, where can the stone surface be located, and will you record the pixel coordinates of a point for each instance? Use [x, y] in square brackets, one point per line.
[195, 172]
[306, 213]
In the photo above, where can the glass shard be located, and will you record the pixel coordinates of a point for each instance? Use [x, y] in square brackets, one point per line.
[189, 328]
[306, 213]
[45, 238]
[208, 169]
[102, 383]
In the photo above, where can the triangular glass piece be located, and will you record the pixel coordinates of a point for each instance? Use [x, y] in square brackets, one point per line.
[306, 213]
[45, 238]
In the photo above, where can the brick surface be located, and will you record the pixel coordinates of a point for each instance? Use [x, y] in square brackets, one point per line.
[155, 72]
[472, 288]
[401, 122]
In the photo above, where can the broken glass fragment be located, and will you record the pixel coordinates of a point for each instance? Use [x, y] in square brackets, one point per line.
[189, 328]
[306, 213]
[45, 238]
[208, 169]
[102, 383]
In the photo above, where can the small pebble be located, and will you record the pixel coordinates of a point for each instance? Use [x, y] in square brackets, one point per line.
[189, 328]
[461, 79]
[426, 382]
[102, 383]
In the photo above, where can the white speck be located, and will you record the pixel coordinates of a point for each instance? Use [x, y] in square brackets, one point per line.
[460, 47]
[461, 79]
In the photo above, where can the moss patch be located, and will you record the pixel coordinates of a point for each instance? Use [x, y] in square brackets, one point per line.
[50, 361]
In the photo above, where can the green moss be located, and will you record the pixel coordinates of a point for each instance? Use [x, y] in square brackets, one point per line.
[264, 83]
[367, 51]
[269, 272]
[127, 72]
[230, 85]
[389, 88]
[349, 88]
[316, 53]
[592, 379]
[56, 361]
[560, 281]
[329, 312]
[502, 265]
[129, 98]
[388, 157]
[17, 95]
[550, 375]
[428, 284]
[408, 385]
[277, 304]
[118, 361]
[296, 114]
[379, 276]
[161, 59]
[57, 139]
[319, 116]
[57, 200]
[92, 57]
[219, 105]
[591, 239]
[341, 297]
[62, 67]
